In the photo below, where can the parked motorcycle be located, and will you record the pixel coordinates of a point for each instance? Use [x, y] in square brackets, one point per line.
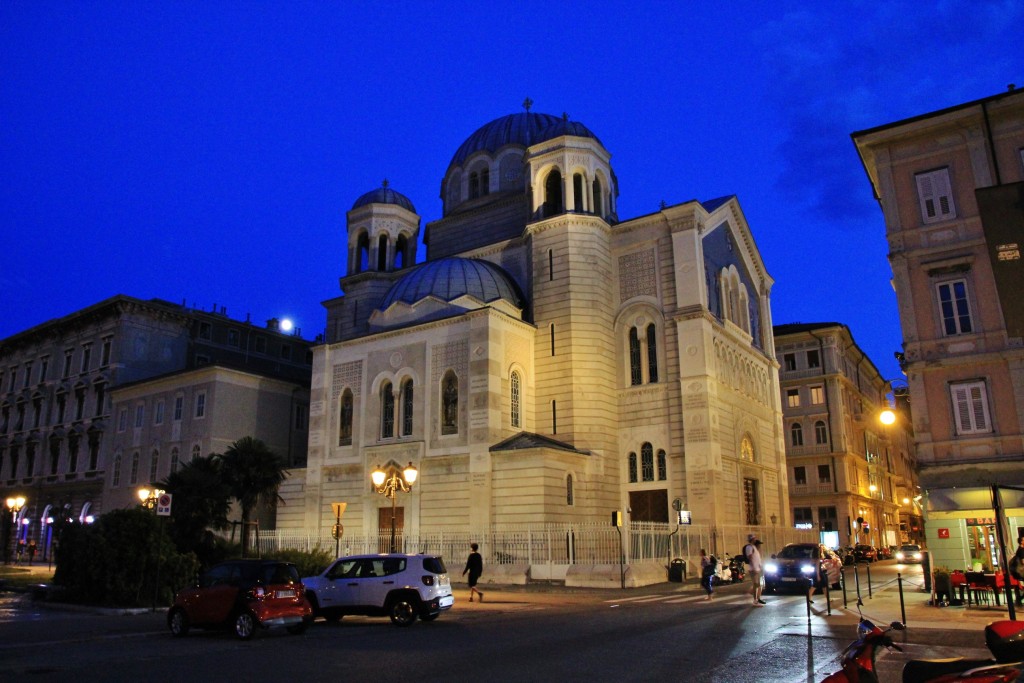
[737, 569]
[1005, 639]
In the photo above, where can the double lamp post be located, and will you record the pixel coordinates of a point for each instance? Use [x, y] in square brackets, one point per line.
[388, 483]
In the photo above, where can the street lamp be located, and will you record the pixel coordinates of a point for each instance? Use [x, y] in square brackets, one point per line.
[389, 483]
[14, 506]
[149, 497]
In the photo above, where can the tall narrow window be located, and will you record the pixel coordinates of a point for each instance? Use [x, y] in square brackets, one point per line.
[956, 313]
[174, 460]
[450, 403]
[553, 194]
[554, 417]
[552, 339]
[362, 263]
[632, 468]
[577, 192]
[820, 433]
[387, 411]
[751, 505]
[345, 428]
[747, 448]
[196, 452]
[970, 408]
[652, 353]
[73, 446]
[662, 466]
[54, 455]
[382, 253]
[133, 478]
[407, 408]
[598, 208]
[569, 498]
[485, 182]
[401, 247]
[154, 465]
[474, 185]
[515, 384]
[647, 462]
[116, 480]
[635, 371]
[551, 265]
[796, 433]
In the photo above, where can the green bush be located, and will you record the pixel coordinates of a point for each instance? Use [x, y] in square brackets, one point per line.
[309, 563]
[114, 561]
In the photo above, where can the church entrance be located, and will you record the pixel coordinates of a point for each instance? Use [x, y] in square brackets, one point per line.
[649, 506]
[384, 525]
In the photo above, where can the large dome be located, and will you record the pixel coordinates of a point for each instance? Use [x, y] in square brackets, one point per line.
[385, 195]
[525, 129]
[449, 278]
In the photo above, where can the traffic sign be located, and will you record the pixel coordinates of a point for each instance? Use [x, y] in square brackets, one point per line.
[163, 505]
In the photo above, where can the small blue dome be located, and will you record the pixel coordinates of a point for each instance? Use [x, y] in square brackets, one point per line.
[385, 195]
[452, 277]
[525, 129]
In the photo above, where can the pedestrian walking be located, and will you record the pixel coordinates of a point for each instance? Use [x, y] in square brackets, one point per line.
[31, 551]
[475, 567]
[21, 551]
[752, 552]
[708, 565]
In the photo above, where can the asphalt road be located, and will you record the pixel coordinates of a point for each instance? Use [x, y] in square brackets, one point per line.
[665, 632]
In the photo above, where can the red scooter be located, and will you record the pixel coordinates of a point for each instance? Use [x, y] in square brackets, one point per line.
[1005, 639]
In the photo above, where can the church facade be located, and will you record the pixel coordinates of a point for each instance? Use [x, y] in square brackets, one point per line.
[549, 363]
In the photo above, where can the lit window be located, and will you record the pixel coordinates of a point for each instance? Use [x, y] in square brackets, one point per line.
[747, 448]
[793, 398]
[817, 395]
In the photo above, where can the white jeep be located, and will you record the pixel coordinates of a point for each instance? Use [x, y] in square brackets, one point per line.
[400, 586]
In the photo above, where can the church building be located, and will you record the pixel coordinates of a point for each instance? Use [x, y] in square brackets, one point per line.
[549, 363]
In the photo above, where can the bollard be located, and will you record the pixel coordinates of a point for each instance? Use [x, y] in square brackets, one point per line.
[808, 600]
[842, 581]
[856, 579]
[868, 569]
[903, 608]
[828, 596]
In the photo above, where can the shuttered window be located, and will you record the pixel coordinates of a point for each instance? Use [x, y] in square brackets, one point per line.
[935, 195]
[970, 408]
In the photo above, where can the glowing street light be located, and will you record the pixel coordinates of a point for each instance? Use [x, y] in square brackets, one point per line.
[389, 483]
[14, 506]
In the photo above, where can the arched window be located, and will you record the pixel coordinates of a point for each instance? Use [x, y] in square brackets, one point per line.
[662, 466]
[116, 481]
[382, 253]
[387, 411]
[577, 192]
[133, 477]
[407, 408]
[515, 388]
[362, 263]
[154, 465]
[747, 448]
[652, 353]
[647, 462]
[598, 207]
[174, 460]
[820, 433]
[401, 246]
[450, 403]
[196, 451]
[485, 182]
[796, 434]
[553, 194]
[569, 500]
[345, 416]
[632, 468]
[474, 185]
[635, 371]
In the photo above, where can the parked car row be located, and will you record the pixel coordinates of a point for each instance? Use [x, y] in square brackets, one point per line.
[248, 595]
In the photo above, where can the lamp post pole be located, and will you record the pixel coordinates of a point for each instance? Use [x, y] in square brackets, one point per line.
[148, 499]
[389, 483]
[14, 506]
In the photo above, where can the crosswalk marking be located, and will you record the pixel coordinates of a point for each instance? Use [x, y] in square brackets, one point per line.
[733, 599]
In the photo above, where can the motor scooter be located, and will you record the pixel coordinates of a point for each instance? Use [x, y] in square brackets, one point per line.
[737, 570]
[1005, 639]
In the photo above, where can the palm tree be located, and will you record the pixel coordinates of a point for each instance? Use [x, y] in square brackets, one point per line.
[251, 470]
[202, 501]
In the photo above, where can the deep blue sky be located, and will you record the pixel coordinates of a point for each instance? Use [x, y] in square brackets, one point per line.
[207, 152]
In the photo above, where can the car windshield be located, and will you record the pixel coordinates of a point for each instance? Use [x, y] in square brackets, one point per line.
[797, 552]
[910, 548]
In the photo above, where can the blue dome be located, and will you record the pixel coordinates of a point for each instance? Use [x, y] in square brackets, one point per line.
[525, 129]
[385, 195]
[452, 277]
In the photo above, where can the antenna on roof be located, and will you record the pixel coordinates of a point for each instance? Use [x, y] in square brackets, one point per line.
[384, 183]
[565, 116]
[527, 103]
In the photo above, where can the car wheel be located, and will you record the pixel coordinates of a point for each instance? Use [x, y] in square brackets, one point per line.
[298, 629]
[402, 612]
[245, 625]
[430, 617]
[177, 621]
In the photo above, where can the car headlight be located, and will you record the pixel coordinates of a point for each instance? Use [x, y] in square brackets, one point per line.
[771, 568]
[807, 569]
[917, 556]
[899, 556]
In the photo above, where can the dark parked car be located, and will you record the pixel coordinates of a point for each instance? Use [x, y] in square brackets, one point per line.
[243, 595]
[797, 563]
[862, 552]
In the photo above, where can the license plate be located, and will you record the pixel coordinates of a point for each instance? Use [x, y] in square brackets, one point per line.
[285, 594]
[446, 601]
[789, 578]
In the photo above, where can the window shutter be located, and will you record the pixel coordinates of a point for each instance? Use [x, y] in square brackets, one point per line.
[935, 195]
[978, 409]
[970, 408]
[963, 411]
[926, 195]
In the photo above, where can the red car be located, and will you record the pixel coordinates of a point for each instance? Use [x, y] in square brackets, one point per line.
[243, 595]
[862, 552]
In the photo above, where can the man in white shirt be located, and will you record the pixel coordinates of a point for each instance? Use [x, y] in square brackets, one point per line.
[752, 551]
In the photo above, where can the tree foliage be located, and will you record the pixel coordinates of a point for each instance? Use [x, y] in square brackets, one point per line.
[201, 501]
[251, 471]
